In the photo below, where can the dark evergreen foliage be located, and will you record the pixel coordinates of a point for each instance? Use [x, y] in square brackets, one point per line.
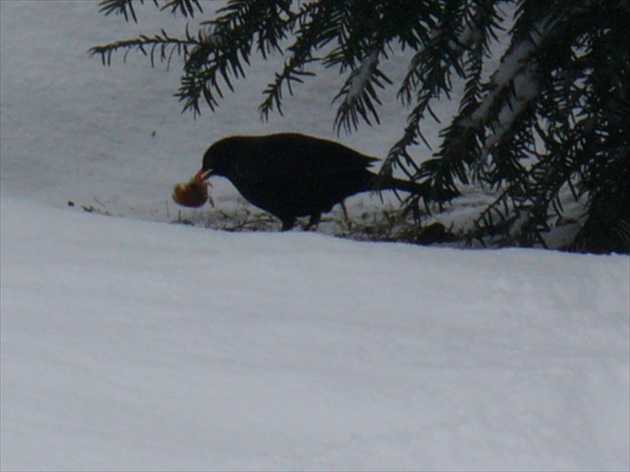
[549, 125]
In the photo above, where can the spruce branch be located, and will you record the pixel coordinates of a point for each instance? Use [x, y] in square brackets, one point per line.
[311, 33]
[164, 45]
[428, 78]
[121, 7]
[126, 8]
[184, 7]
[293, 72]
[358, 96]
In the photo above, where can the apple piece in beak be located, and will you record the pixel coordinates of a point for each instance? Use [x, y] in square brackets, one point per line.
[194, 193]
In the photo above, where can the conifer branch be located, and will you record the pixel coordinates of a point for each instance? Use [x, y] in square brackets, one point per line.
[126, 9]
[358, 96]
[161, 43]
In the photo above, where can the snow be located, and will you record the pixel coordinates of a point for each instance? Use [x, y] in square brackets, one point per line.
[361, 77]
[517, 70]
[152, 346]
[128, 343]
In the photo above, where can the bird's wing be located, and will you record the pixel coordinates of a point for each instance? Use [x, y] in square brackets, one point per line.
[289, 156]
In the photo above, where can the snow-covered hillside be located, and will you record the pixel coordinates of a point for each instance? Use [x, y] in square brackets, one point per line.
[129, 344]
[137, 345]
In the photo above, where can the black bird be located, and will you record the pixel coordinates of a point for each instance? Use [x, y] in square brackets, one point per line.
[290, 175]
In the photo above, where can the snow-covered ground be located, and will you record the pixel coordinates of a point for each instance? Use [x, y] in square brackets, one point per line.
[134, 344]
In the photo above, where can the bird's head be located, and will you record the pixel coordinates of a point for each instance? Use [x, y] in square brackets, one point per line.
[218, 159]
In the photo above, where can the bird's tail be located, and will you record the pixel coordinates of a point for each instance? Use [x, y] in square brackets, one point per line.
[392, 183]
[424, 189]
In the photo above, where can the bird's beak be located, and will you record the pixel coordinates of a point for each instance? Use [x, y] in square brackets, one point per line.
[201, 176]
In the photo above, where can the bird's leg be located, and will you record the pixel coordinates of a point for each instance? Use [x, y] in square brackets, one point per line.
[345, 214]
[287, 224]
[313, 221]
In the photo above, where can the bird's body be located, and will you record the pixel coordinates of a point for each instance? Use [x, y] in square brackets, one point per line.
[292, 175]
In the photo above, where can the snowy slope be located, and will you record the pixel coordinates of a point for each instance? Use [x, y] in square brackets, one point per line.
[139, 345]
[135, 345]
